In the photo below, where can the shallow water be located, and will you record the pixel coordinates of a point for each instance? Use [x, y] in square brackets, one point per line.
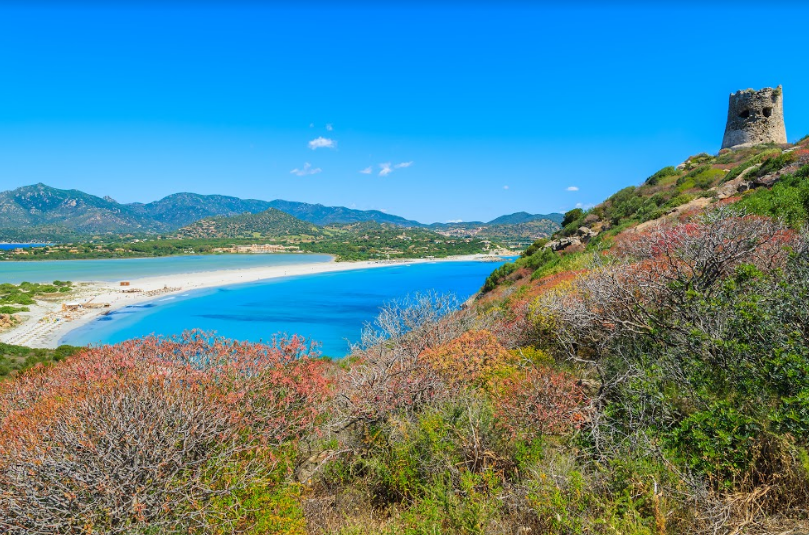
[330, 308]
[110, 270]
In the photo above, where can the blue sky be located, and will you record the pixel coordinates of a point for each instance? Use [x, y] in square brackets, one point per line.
[455, 111]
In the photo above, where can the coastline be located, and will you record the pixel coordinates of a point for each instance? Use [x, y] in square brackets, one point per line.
[48, 321]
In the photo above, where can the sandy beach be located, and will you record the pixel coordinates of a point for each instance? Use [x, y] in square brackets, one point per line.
[47, 322]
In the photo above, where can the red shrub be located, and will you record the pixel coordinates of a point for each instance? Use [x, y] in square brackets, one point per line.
[539, 402]
[474, 358]
[149, 431]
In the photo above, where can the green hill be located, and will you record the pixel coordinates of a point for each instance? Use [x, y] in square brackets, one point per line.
[39, 208]
[525, 217]
[181, 209]
[270, 223]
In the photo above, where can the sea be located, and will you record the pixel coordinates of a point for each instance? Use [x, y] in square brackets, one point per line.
[328, 308]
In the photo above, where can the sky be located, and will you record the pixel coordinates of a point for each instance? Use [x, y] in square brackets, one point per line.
[431, 111]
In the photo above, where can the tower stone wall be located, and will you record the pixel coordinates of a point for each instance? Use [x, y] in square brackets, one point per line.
[755, 117]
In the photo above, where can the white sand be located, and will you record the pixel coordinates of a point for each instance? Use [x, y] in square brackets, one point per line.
[47, 322]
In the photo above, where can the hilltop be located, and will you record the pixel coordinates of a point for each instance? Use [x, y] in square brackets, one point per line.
[40, 210]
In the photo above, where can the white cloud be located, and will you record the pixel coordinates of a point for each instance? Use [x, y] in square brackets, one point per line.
[455, 221]
[322, 143]
[505, 187]
[367, 171]
[572, 188]
[329, 127]
[307, 170]
[387, 168]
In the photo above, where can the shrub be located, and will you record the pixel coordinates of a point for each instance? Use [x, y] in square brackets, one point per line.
[150, 432]
[389, 376]
[776, 163]
[475, 358]
[663, 173]
[496, 276]
[706, 179]
[538, 401]
[572, 216]
[788, 199]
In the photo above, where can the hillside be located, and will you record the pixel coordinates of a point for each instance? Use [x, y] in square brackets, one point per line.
[329, 215]
[644, 371]
[181, 209]
[38, 208]
[270, 223]
[750, 178]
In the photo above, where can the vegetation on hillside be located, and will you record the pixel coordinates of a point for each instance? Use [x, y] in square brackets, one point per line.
[653, 380]
[15, 359]
[270, 223]
[360, 241]
[672, 191]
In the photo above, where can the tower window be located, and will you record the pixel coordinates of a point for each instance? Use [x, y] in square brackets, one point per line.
[767, 112]
[745, 114]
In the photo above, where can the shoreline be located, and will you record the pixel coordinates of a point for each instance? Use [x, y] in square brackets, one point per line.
[50, 321]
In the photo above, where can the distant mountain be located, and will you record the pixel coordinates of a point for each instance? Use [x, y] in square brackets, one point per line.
[68, 212]
[524, 217]
[271, 223]
[181, 209]
[43, 213]
[328, 215]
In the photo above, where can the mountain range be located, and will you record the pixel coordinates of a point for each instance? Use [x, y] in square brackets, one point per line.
[41, 212]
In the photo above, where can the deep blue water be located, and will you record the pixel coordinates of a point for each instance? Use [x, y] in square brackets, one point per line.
[330, 308]
[111, 270]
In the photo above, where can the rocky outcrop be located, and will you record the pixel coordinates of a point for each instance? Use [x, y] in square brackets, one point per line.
[739, 184]
[575, 243]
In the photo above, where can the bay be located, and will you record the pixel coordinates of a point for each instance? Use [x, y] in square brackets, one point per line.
[330, 308]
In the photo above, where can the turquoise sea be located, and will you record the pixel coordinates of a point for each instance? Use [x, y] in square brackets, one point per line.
[330, 308]
[134, 268]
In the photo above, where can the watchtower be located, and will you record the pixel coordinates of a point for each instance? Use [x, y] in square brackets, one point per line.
[755, 117]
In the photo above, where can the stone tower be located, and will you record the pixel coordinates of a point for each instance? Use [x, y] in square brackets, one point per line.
[755, 117]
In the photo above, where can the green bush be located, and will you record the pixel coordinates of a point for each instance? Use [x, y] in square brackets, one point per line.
[776, 163]
[663, 173]
[717, 442]
[706, 179]
[5, 309]
[788, 199]
[572, 216]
